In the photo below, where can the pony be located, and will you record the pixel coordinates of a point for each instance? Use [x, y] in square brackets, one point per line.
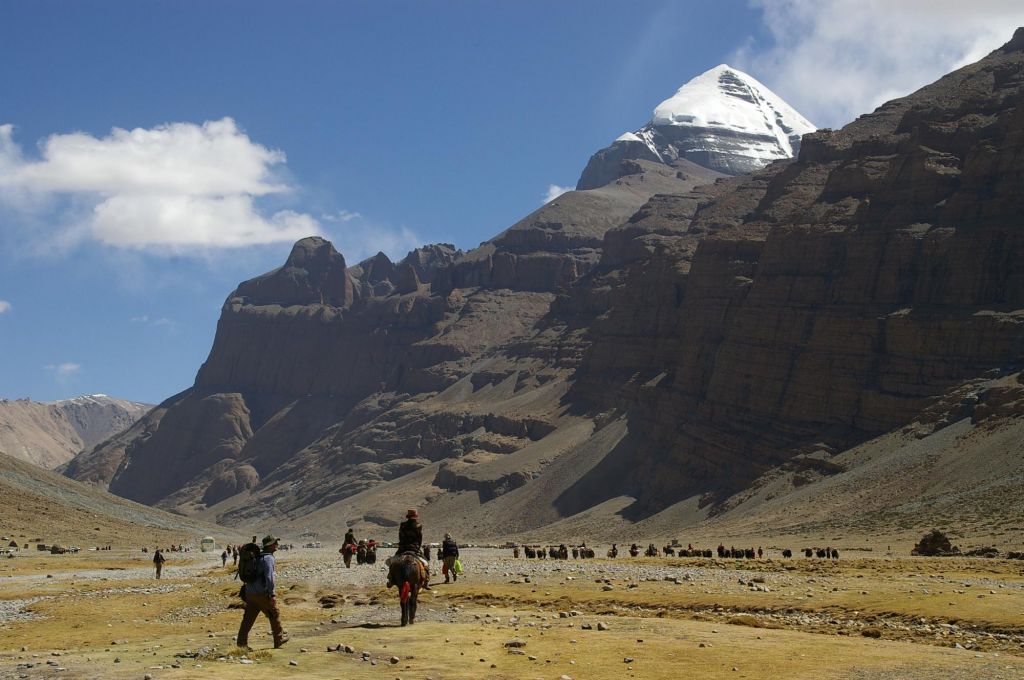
[347, 551]
[406, 573]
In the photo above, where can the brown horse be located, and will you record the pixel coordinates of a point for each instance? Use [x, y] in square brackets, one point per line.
[406, 572]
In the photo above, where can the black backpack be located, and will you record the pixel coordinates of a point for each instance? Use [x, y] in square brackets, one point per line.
[249, 562]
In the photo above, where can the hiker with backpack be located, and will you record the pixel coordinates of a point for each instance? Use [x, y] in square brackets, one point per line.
[256, 570]
[449, 558]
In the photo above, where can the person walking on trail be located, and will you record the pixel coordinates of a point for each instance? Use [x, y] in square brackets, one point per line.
[234, 556]
[158, 561]
[449, 555]
[224, 559]
[259, 594]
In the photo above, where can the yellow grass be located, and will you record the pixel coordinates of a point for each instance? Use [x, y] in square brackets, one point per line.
[657, 624]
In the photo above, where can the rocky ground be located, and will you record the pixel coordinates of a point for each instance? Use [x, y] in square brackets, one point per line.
[104, 616]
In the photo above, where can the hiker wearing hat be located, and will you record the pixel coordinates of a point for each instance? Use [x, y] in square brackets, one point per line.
[260, 596]
[410, 538]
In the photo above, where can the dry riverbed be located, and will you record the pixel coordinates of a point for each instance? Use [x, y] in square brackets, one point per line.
[102, 615]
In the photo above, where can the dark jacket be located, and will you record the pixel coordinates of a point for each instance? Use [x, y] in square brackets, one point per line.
[350, 537]
[410, 536]
[449, 548]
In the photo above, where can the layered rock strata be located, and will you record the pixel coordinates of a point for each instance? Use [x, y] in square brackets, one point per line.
[654, 353]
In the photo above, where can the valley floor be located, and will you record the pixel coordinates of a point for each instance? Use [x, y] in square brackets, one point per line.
[103, 615]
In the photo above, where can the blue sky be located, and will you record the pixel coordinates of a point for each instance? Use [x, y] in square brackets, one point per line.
[153, 155]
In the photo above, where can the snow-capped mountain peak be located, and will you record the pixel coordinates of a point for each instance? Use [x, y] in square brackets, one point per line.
[723, 119]
[727, 98]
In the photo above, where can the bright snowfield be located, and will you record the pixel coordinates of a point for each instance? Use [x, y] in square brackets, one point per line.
[726, 99]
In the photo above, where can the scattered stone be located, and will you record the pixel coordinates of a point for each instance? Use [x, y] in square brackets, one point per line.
[601, 625]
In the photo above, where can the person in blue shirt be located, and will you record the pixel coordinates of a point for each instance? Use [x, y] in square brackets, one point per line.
[260, 596]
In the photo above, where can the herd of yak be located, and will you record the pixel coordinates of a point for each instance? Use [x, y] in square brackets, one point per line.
[562, 552]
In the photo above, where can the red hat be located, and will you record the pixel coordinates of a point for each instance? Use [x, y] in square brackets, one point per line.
[411, 512]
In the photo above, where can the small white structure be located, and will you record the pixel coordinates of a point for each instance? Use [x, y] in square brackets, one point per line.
[207, 544]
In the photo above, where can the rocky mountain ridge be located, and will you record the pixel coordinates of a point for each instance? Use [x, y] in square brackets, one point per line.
[50, 434]
[675, 349]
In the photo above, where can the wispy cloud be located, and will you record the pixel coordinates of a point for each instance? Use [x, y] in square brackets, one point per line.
[145, 320]
[357, 244]
[167, 189]
[5, 306]
[554, 191]
[835, 59]
[64, 374]
[64, 369]
[341, 216]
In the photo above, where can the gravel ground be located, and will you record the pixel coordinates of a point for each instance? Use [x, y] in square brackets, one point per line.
[15, 610]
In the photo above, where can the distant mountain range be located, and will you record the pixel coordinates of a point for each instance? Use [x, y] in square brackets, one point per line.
[41, 505]
[50, 434]
[828, 345]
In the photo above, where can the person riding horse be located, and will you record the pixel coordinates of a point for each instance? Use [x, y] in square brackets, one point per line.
[348, 548]
[410, 540]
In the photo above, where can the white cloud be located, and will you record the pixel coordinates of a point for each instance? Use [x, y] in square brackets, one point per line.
[554, 191]
[341, 216]
[64, 370]
[171, 188]
[836, 59]
[5, 306]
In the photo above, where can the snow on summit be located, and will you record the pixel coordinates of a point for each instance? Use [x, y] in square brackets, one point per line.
[722, 120]
[726, 98]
